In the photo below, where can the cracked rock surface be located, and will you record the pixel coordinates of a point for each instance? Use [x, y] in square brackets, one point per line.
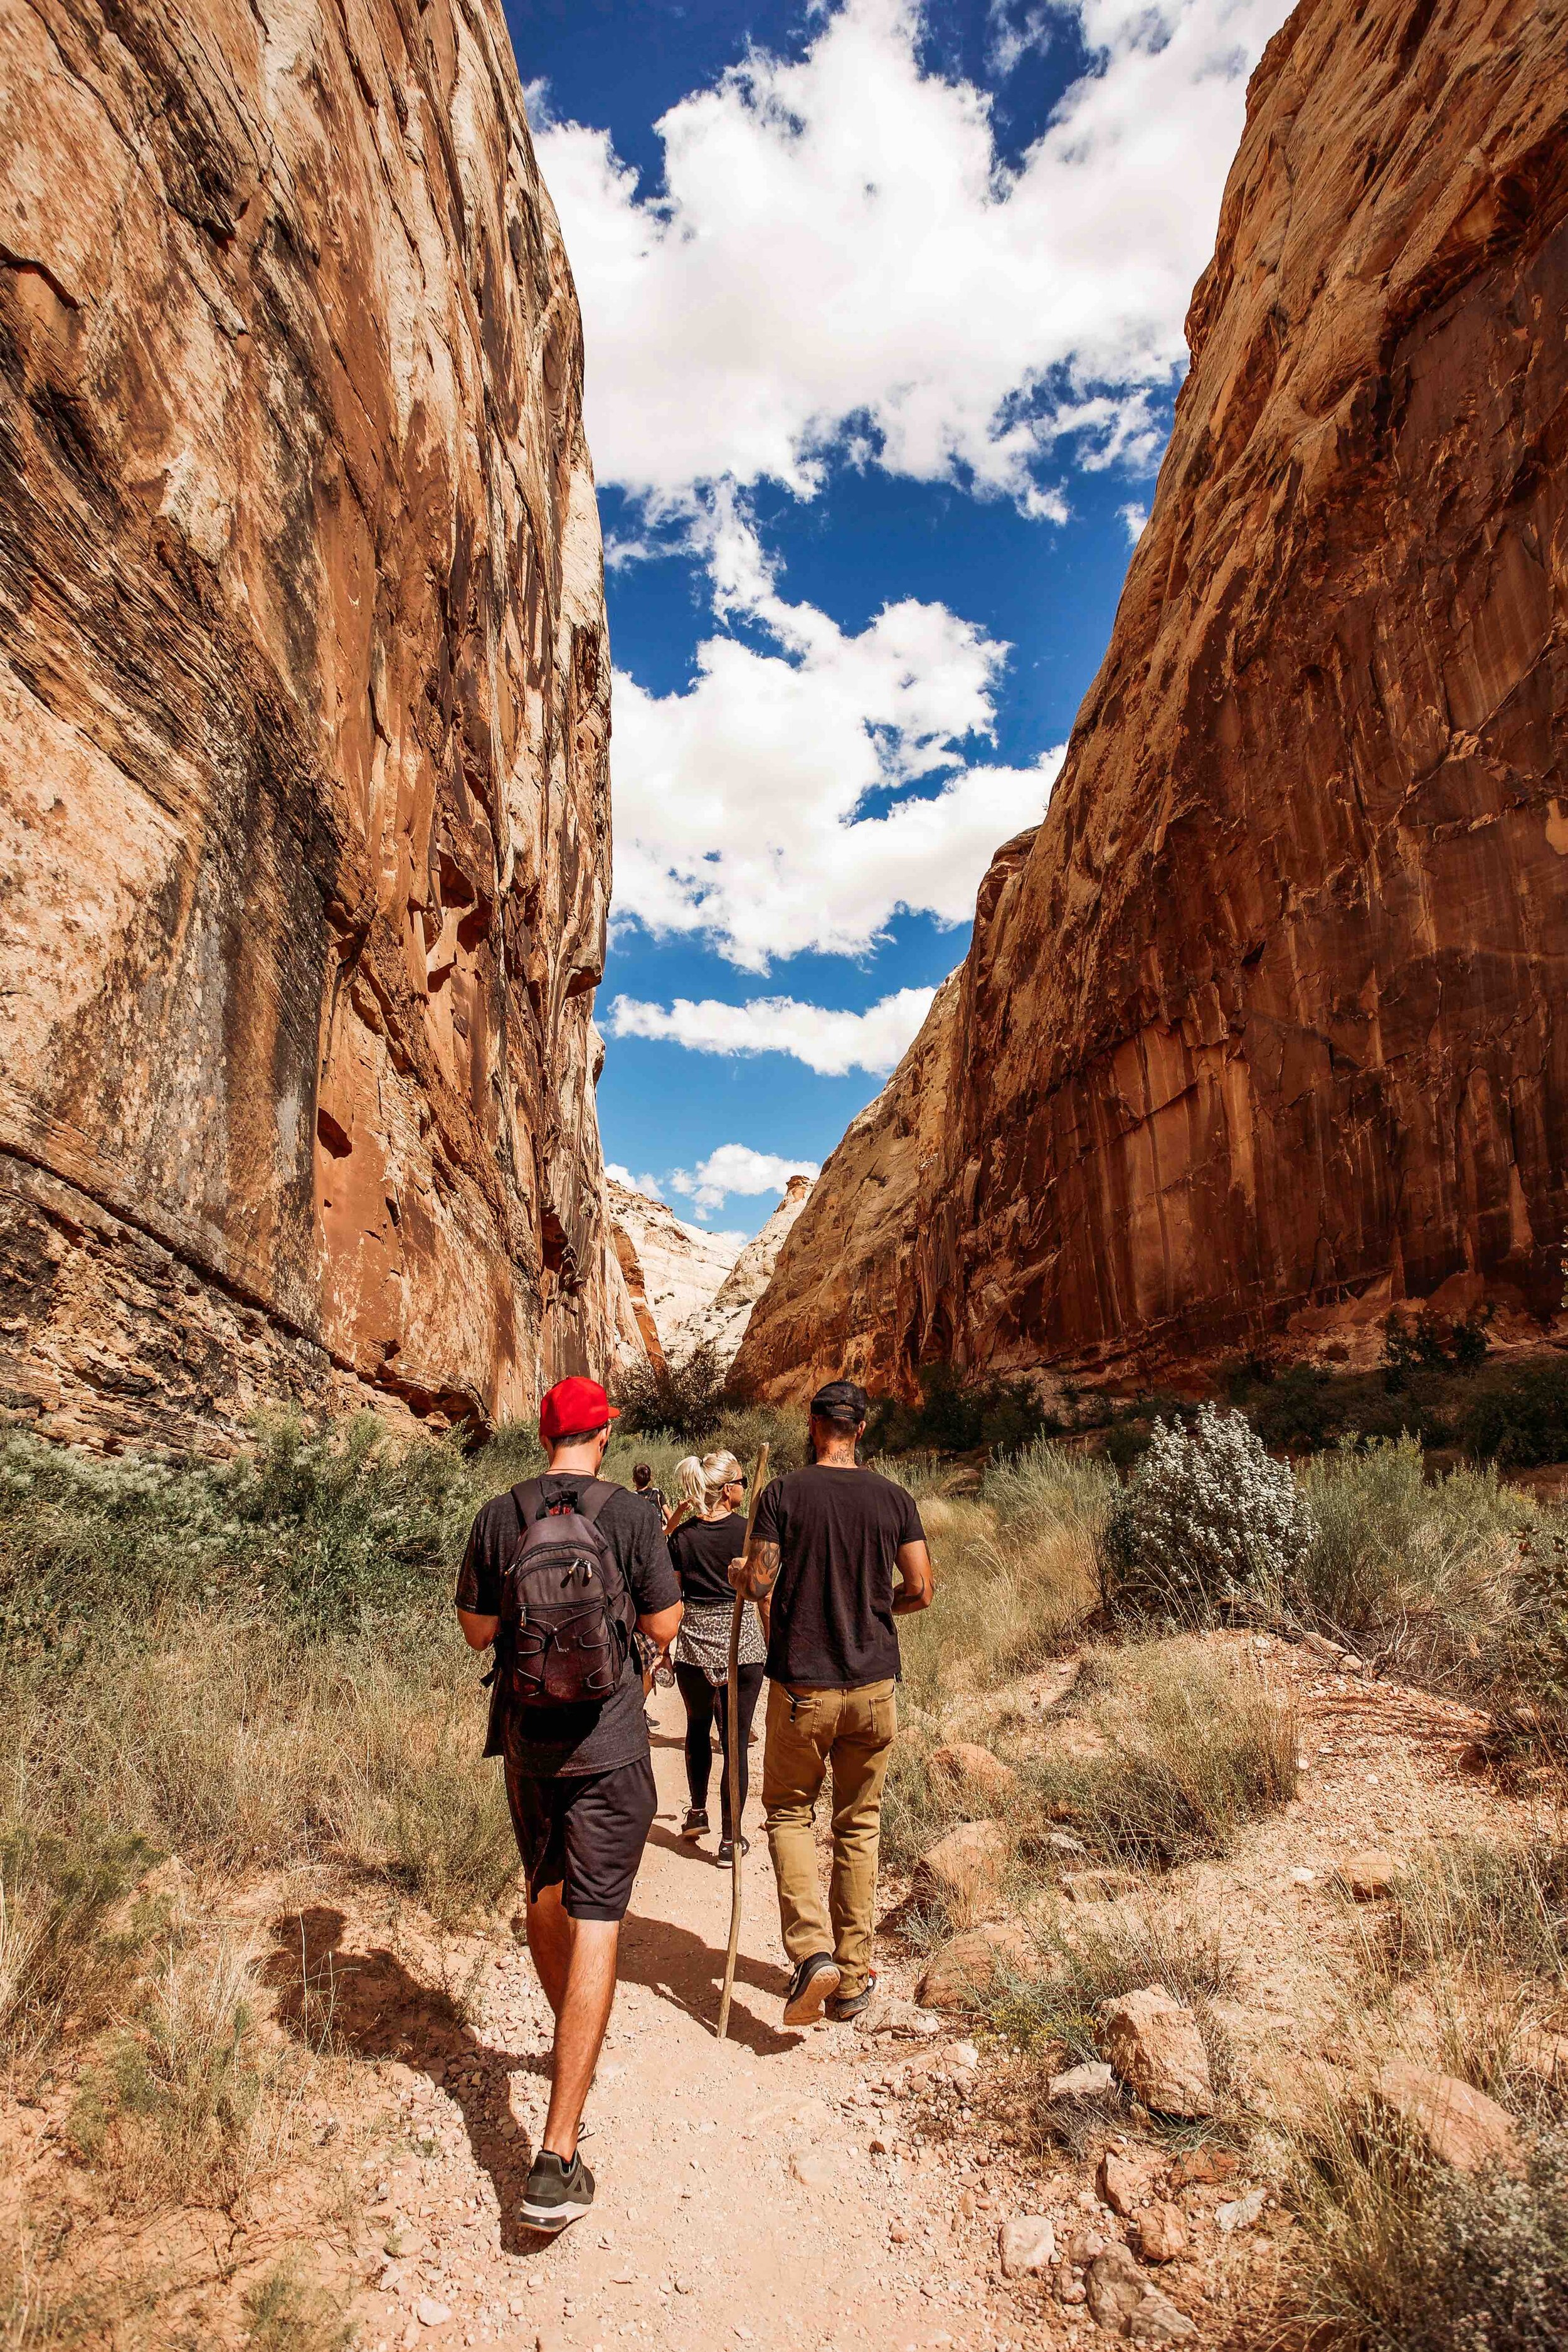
[1264, 1025]
[304, 706]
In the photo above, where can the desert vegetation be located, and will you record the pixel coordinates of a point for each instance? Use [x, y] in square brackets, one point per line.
[216, 1674]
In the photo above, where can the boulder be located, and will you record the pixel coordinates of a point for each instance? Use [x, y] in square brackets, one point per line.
[1367, 1877]
[971, 1963]
[1028, 2246]
[966, 1765]
[963, 1870]
[1125, 2304]
[1160, 2232]
[1155, 2047]
[1453, 2121]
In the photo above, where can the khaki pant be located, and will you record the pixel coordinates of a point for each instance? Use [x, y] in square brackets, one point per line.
[852, 1731]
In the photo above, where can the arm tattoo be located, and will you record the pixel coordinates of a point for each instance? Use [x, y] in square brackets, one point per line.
[757, 1573]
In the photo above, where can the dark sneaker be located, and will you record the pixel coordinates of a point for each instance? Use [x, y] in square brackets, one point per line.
[726, 1854]
[813, 1984]
[844, 2006]
[557, 2192]
[695, 1826]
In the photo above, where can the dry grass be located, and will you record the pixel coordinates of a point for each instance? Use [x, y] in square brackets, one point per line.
[284, 2313]
[235, 1745]
[70, 1935]
[1191, 1745]
[1404, 2255]
[1016, 1573]
[189, 2104]
[1051, 2014]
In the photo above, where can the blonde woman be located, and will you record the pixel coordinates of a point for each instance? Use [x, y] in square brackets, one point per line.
[700, 1552]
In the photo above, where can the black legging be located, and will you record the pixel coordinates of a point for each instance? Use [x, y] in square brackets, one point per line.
[703, 1700]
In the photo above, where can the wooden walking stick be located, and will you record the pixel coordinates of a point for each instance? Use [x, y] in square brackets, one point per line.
[733, 1760]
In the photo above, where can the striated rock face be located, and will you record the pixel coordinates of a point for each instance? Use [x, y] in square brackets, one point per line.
[722, 1323]
[1268, 1027]
[672, 1270]
[304, 823]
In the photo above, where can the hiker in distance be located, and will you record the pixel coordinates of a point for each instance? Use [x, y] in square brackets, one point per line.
[560, 1574]
[837, 1553]
[701, 1552]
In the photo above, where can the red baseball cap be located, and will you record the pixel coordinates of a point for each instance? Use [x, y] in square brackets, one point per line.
[574, 1407]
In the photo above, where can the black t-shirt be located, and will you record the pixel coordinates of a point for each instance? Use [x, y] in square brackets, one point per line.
[838, 1533]
[546, 1742]
[700, 1551]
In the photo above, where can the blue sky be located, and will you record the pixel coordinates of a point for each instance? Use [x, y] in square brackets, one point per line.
[882, 311]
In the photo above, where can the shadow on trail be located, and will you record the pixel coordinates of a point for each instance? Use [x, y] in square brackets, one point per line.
[370, 2004]
[687, 1970]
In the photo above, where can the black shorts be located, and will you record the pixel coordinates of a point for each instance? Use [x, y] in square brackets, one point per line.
[584, 1832]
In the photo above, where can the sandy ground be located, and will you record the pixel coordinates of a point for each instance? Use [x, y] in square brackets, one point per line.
[806, 2192]
[746, 2190]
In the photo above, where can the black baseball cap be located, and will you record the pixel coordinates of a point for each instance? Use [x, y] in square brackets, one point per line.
[841, 1401]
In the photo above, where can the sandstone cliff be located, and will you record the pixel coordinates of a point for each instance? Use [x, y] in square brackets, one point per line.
[1268, 1025]
[722, 1323]
[303, 721]
[671, 1269]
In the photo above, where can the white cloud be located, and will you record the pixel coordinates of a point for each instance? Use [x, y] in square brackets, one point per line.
[645, 1184]
[829, 1042]
[736, 1167]
[839, 258]
[1134, 517]
[766, 807]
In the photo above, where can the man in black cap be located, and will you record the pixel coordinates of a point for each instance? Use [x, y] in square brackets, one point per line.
[838, 1553]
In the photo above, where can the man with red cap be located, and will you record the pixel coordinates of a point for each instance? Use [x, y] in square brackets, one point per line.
[559, 1573]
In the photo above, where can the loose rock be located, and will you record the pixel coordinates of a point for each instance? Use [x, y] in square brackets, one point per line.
[1160, 2233]
[970, 1964]
[1241, 2213]
[1367, 1877]
[1453, 2121]
[1093, 2080]
[1028, 2246]
[431, 2314]
[964, 1868]
[1120, 2183]
[1154, 2045]
[965, 1764]
[1124, 2303]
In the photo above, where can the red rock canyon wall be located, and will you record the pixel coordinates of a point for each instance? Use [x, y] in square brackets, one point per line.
[1268, 1025]
[304, 817]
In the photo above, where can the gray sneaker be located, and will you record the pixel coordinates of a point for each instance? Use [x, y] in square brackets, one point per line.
[557, 2192]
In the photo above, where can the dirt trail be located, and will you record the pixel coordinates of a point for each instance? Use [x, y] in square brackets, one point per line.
[746, 2190]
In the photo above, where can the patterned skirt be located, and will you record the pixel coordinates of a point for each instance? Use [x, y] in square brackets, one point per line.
[704, 1640]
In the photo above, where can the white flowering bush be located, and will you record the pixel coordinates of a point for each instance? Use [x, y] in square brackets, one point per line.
[1207, 1518]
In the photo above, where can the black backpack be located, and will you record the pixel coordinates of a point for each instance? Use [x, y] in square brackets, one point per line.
[566, 1617]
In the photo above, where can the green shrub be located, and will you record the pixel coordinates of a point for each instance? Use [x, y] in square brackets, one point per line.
[1521, 1418]
[1207, 1518]
[955, 1415]
[686, 1399]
